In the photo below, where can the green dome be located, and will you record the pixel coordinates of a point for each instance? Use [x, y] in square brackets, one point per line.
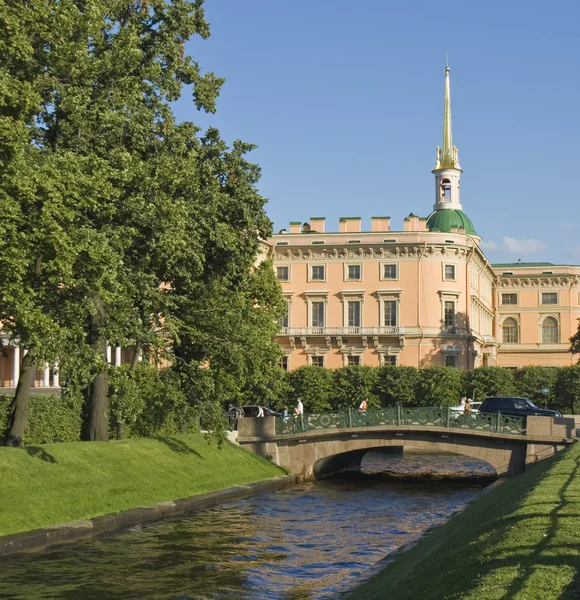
[446, 218]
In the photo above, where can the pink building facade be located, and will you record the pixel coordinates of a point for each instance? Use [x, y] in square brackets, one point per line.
[423, 295]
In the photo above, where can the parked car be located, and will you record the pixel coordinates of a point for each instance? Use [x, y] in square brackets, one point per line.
[511, 405]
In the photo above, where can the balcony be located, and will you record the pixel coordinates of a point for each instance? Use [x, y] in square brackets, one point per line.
[325, 331]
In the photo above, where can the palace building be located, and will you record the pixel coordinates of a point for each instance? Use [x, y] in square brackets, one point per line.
[423, 296]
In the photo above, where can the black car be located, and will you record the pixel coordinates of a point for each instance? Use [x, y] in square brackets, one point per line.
[511, 405]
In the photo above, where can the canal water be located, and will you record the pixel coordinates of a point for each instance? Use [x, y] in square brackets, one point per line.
[306, 542]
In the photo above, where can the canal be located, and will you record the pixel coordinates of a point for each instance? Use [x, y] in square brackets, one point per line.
[306, 542]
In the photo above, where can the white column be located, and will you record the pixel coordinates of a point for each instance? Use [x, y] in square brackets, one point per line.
[108, 354]
[16, 366]
[55, 375]
[117, 356]
[46, 378]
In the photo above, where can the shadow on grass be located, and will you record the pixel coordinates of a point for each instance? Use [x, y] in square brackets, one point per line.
[178, 446]
[41, 453]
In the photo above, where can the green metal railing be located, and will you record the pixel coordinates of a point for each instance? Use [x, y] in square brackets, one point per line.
[400, 415]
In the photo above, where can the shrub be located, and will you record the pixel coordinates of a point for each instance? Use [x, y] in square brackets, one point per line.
[352, 385]
[439, 386]
[529, 382]
[396, 385]
[488, 381]
[567, 390]
[50, 418]
[314, 386]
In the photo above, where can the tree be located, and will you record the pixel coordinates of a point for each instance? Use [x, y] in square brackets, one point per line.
[530, 381]
[352, 385]
[396, 385]
[314, 385]
[439, 386]
[488, 381]
[567, 390]
[575, 342]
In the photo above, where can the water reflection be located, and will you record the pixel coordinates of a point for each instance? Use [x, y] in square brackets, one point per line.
[300, 543]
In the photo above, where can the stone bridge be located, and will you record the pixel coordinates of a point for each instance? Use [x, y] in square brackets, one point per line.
[319, 452]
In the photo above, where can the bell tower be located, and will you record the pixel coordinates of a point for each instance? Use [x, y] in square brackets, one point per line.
[447, 171]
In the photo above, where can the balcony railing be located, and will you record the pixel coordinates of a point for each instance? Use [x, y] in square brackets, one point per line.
[298, 331]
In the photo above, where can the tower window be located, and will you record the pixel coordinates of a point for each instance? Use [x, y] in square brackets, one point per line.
[446, 190]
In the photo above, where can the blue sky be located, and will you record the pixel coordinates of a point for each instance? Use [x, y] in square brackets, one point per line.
[345, 102]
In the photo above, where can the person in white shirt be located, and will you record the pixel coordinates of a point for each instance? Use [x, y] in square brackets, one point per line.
[260, 411]
[299, 410]
[363, 406]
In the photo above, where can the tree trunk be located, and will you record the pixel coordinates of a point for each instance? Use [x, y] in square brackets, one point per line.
[135, 359]
[19, 408]
[120, 431]
[98, 423]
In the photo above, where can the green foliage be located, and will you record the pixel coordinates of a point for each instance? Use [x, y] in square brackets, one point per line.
[529, 382]
[314, 385]
[575, 342]
[439, 386]
[567, 390]
[352, 385]
[50, 418]
[396, 385]
[488, 381]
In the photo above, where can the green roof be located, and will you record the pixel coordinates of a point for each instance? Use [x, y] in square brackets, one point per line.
[445, 219]
[349, 219]
[522, 264]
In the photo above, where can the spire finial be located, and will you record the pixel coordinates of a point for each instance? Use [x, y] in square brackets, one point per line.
[448, 152]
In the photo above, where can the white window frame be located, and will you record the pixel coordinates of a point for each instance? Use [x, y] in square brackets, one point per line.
[444, 265]
[519, 331]
[317, 264]
[516, 294]
[284, 265]
[541, 320]
[540, 299]
[351, 296]
[384, 356]
[353, 264]
[321, 355]
[382, 270]
[449, 296]
[317, 296]
[384, 295]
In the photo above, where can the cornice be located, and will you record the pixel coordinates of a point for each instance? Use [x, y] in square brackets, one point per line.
[363, 251]
[539, 281]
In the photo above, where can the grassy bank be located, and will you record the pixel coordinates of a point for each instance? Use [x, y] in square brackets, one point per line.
[56, 483]
[519, 541]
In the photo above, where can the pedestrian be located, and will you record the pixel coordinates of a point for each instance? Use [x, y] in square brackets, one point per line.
[299, 410]
[467, 409]
[362, 409]
[260, 411]
[285, 413]
[462, 401]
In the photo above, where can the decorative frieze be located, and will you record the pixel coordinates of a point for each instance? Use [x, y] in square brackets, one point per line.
[538, 282]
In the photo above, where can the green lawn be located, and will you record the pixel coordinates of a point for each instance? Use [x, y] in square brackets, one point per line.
[55, 483]
[521, 540]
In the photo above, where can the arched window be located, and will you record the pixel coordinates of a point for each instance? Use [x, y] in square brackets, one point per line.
[550, 331]
[446, 190]
[509, 330]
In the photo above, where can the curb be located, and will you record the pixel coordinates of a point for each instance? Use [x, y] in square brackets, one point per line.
[40, 539]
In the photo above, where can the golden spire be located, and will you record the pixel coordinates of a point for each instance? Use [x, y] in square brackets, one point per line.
[447, 156]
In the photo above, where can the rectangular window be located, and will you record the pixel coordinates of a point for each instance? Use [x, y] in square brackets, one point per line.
[317, 361]
[549, 297]
[449, 273]
[283, 321]
[391, 360]
[509, 298]
[353, 360]
[283, 273]
[283, 364]
[318, 314]
[390, 271]
[390, 313]
[318, 273]
[353, 272]
[449, 314]
[451, 361]
[354, 313]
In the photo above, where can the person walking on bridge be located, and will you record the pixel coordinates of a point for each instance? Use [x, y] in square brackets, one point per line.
[299, 410]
